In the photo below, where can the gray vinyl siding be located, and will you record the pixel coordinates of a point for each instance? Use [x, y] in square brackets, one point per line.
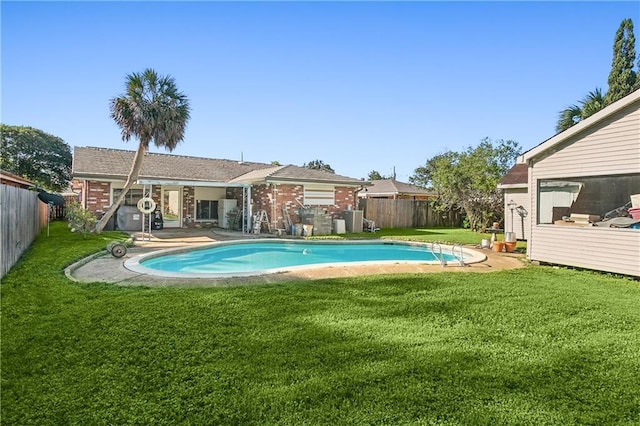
[521, 197]
[614, 250]
[610, 147]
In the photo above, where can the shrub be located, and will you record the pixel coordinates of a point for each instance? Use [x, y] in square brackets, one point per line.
[80, 219]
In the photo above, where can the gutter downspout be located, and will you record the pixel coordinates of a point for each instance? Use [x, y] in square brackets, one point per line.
[356, 201]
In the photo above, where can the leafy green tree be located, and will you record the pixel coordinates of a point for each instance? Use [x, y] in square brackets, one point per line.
[573, 114]
[375, 175]
[152, 110]
[468, 180]
[318, 165]
[622, 78]
[422, 174]
[35, 155]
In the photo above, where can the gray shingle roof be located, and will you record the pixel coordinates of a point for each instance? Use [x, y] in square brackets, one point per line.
[116, 163]
[394, 187]
[297, 173]
[96, 163]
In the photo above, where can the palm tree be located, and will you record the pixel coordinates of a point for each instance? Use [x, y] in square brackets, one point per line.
[151, 109]
[568, 117]
[592, 103]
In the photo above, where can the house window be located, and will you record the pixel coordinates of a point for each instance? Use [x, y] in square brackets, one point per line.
[206, 202]
[132, 197]
[207, 210]
[319, 196]
[599, 197]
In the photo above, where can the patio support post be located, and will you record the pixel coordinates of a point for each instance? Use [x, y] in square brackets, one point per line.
[248, 213]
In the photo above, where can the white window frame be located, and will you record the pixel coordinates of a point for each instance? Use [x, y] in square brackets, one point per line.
[319, 195]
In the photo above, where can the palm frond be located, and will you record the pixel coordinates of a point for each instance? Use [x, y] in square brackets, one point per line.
[568, 117]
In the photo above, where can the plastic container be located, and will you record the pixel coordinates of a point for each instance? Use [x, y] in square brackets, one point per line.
[308, 230]
[635, 201]
[296, 230]
[635, 212]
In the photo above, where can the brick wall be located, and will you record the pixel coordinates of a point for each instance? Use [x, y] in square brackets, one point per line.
[271, 198]
[188, 203]
[345, 200]
[98, 196]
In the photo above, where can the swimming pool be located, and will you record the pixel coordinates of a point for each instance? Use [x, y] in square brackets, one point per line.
[265, 256]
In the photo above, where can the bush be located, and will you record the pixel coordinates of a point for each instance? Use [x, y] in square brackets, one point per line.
[80, 219]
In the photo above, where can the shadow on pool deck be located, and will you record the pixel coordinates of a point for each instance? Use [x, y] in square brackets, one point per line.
[103, 267]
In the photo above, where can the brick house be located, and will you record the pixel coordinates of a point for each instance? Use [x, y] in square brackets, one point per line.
[195, 191]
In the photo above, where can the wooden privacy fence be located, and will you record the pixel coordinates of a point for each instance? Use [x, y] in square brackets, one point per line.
[22, 217]
[389, 213]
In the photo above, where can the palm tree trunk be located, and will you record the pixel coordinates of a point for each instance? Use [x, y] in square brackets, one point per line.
[133, 177]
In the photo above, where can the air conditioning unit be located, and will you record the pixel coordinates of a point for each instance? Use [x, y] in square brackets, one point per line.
[353, 220]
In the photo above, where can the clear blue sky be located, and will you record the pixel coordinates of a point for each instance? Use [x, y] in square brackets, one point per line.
[359, 85]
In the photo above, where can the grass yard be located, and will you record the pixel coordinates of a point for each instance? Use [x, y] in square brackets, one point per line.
[537, 345]
[440, 235]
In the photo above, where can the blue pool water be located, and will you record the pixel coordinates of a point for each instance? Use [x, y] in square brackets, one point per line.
[256, 257]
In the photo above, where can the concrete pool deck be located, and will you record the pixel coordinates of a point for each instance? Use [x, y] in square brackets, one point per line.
[105, 268]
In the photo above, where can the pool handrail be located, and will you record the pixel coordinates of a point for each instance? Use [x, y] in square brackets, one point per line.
[438, 256]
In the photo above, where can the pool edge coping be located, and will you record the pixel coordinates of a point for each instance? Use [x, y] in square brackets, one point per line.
[134, 264]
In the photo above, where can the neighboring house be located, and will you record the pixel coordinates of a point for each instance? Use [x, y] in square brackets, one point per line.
[10, 179]
[193, 191]
[393, 189]
[516, 201]
[589, 170]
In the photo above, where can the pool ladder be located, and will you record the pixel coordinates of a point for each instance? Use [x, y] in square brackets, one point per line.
[456, 252]
[460, 255]
[438, 255]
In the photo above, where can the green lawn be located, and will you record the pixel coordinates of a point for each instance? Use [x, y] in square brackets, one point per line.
[440, 235]
[535, 345]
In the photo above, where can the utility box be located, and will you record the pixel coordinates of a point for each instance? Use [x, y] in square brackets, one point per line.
[338, 226]
[129, 218]
[353, 220]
